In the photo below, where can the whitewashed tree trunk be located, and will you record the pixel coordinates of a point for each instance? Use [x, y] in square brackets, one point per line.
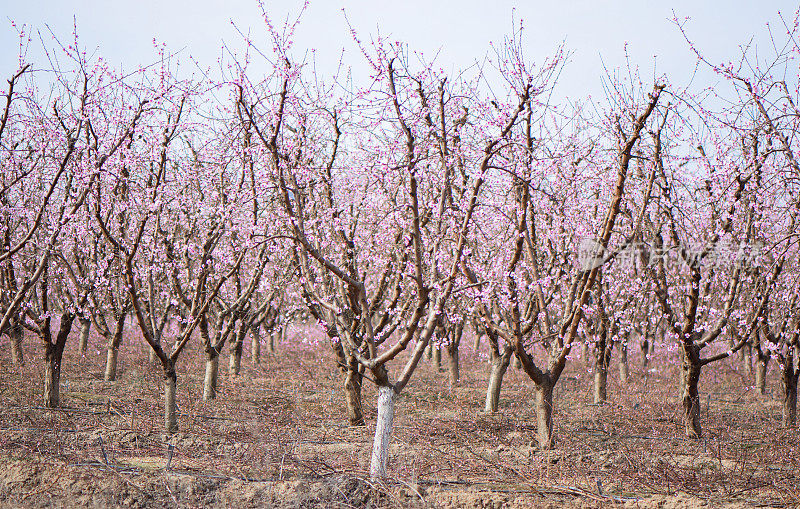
[383, 433]
[210, 381]
[111, 364]
[83, 338]
[600, 384]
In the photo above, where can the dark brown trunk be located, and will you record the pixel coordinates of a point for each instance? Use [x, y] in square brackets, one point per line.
[624, 370]
[352, 393]
[15, 335]
[255, 344]
[762, 361]
[690, 398]
[53, 355]
[235, 362]
[645, 347]
[789, 376]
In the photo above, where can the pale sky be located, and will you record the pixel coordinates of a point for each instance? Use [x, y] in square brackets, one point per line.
[594, 30]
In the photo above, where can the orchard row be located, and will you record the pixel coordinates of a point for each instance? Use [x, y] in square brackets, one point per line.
[400, 211]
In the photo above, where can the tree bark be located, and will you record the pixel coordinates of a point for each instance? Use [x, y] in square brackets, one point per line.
[352, 394]
[498, 370]
[170, 406]
[761, 374]
[83, 337]
[111, 365]
[235, 362]
[452, 364]
[602, 360]
[210, 380]
[113, 349]
[747, 360]
[624, 370]
[383, 432]
[15, 335]
[789, 398]
[789, 376]
[271, 344]
[600, 384]
[53, 355]
[437, 357]
[762, 361]
[690, 399]
[52, 377]
[645, 347]
[544, 416]
[255, 344]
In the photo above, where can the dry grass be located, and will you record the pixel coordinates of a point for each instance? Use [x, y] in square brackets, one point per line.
[276, 435]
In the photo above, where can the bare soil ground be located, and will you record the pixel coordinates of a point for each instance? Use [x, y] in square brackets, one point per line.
[277, 437]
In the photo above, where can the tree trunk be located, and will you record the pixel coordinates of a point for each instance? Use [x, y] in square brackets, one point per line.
[476, 343]
[544, 416]
[789, 382]
[111, 365]
[113, 349]
[83, 338]
[383, 432]
[499, 367]
[170, 407]
[624, 370]
[53, 355]
[52, 376]
[600, 383]
[690, 399]
[747, 360]
[210, 381]
[271, 344]
[16, 334]
[235, 363]
[645, 347]
[255, 344]
[602, 360]
[452, 364]
[352, 396]
[437, 357]
[761, 374]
